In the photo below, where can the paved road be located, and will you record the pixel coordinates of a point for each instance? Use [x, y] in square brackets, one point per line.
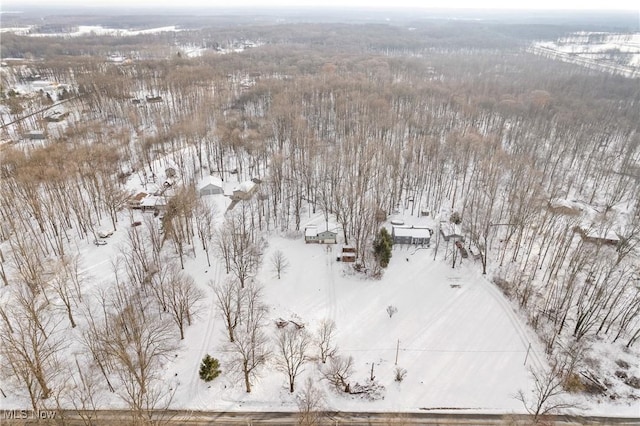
[180, 417]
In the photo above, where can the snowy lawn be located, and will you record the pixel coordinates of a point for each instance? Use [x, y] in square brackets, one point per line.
[459, 342]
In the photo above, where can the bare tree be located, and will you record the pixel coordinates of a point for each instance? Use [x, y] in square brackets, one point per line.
[134, 341]
[548, 387]
[251, 345]
[85, 392]
[229, 300]
[114, 197]
[30, 345]
[311, 404]
[279, 262]
[66, 282]
[235, 243]
[182, 295]
[222, 246]
[178, 220]
[245, 253]
[324, 339]
[205, 217]
[338, 372]
[292, 345]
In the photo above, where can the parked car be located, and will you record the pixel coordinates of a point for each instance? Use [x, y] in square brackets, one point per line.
[100, 242]
[136, 223]
[104, 234]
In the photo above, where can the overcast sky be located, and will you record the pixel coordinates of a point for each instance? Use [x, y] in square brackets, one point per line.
[483, 4]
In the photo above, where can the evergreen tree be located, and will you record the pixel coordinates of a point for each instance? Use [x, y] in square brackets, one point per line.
[209, 368]
[382, 247]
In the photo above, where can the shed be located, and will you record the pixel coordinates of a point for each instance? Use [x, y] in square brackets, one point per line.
[451, 231]
[595, 236]
[36, 135]
[348, 257]
[348, 254]
[210, 185]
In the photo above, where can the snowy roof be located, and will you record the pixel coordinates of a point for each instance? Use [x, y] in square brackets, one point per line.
[448, 228]
[210, 180]
[169, 164]
[152, 201]
[400, 231]
[601, 234]
[139, 196]
[245, 186]
[310, 231]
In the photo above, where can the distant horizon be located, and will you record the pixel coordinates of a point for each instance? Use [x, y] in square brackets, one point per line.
[491, 5]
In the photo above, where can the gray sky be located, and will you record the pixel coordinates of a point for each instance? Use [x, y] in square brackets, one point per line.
[480, 4]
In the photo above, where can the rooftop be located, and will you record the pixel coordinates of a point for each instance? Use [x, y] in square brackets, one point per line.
[403, 231]
[210, 180]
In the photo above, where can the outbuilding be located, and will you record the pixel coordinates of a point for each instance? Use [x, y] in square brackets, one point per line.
[211, 185]
[451, 231]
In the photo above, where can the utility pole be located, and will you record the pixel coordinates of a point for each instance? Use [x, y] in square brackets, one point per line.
[527, 355]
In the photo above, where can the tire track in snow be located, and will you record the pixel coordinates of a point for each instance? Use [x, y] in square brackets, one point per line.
[514, 320]
[437, 318]
[332, 307]
[206, 341]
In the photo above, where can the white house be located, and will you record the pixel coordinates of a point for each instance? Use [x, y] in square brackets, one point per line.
[152, 202]
[313, 234]
[411, 235]
[210, 185]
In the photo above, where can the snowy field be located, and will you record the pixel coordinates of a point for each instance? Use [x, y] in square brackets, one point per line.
[463, 345]
[459, 342]
[615, 53]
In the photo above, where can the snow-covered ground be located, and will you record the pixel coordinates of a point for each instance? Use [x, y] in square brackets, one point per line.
[460, 343]
[615, 53]
[90, 29]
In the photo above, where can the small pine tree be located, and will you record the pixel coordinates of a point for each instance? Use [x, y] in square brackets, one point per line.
[382, 247]
[209, 368]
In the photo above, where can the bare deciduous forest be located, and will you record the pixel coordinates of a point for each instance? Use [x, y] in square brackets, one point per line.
[354, 121]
